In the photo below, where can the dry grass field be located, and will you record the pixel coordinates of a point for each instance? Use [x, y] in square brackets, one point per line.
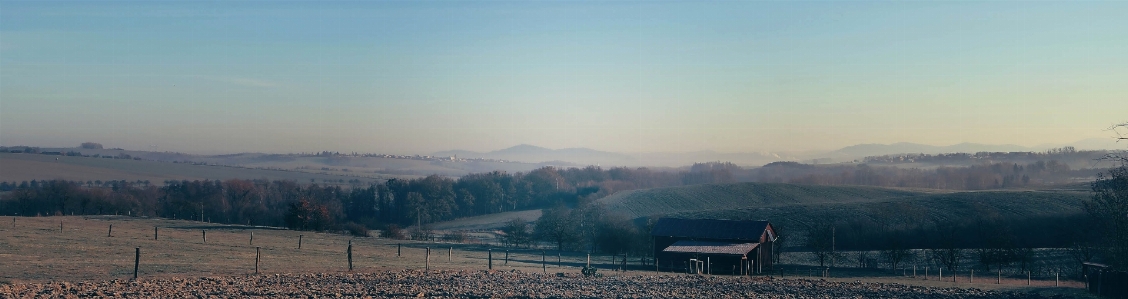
[35, 250]
[36, 253]
[488, 221]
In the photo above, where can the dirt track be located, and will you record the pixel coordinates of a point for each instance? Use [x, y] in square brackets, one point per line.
[484, 284]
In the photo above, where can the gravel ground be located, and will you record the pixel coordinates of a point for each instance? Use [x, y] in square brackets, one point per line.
[483, 284]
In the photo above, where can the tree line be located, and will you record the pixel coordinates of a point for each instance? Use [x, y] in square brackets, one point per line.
[590, 228]
[400, 202]
[989, 241]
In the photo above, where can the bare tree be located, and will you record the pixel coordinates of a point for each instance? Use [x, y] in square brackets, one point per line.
[557, 225]
[1121, 131]
[516, 232]
[820, 239]
[1109, 204]
[781, 240]
[895, 251]
[948, 253]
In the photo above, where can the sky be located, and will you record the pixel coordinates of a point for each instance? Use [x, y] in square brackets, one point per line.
[415, 77]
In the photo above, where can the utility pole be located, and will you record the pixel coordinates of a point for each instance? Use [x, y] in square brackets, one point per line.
[833, 239]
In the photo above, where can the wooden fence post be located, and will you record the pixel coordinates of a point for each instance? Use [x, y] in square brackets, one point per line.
[1027, 277]
[450, 253]
[110, 233]
[252, 241]
[1057, 279]
[544, 265]
[507, 257]
[1000, 281]
[588, 260]
[204, 235]
[399, 248]
[136, 261]
[258, 253]
[427, 259]
[299, 241]
[350, 256]
[154, 233]
[490, 252]
[60, 226]
[558, 263]
[972, 279]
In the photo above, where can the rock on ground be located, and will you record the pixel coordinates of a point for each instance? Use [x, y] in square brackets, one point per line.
[482, 284]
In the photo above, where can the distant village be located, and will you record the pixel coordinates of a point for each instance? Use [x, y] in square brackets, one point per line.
[406, 157]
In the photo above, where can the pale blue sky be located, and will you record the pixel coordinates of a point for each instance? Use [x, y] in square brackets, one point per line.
[422, 76]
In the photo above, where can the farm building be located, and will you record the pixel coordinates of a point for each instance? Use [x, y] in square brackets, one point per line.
[713, 245]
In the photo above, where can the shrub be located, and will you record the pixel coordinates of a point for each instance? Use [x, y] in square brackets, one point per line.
[356, 229]
[392, 231]
[455, 236]
[422, 234]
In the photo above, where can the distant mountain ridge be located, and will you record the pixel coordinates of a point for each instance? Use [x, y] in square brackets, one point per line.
[863, 150]
[535, 154]
[586, 156]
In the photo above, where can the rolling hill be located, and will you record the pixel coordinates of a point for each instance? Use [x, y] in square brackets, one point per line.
[799, 206]
[711, 197]
[26, 167]
[318, 167]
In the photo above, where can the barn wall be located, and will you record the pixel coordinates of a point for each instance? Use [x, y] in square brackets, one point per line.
[723, 264]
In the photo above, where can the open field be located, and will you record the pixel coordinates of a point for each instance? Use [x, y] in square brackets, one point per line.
[657, 201]
[340, 165]
[38, 257]
[489, 221]
[939, 207]
[798, 206]
[27, 167]
[34, 249]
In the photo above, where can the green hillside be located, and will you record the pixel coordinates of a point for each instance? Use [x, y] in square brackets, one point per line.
[798, 207]
[923, 209]
[709, 197]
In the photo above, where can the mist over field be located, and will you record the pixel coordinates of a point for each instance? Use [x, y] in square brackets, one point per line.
[865, 138]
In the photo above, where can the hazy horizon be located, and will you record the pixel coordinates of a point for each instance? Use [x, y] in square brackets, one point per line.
[422, 77]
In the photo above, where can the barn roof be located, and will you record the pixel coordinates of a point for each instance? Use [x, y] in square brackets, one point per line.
[733, 248]
[718, 229]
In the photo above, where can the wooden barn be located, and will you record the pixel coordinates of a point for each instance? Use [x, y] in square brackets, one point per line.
[713, 246]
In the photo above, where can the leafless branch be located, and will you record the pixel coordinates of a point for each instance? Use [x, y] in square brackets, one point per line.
[1120, 129]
